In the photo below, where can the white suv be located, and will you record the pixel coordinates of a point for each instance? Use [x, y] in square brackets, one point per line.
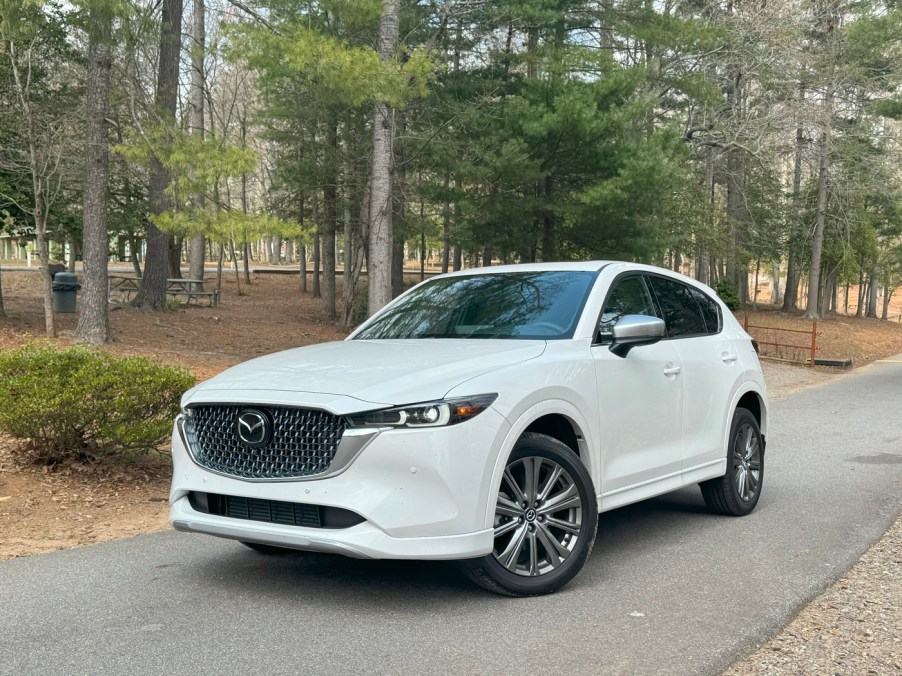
[486, 415]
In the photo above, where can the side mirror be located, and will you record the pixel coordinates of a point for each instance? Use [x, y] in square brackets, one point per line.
[636, 330]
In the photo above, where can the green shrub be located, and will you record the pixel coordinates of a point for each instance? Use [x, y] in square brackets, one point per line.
[81, 403]
[727, 292]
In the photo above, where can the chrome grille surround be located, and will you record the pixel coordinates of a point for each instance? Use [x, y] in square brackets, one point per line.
[303, 444]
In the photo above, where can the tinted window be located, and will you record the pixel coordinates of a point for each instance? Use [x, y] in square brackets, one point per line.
[628, 297]
[681, 313]
[524, 305]
[710, 310]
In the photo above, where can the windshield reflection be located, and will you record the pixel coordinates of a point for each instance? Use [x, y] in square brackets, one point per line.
[519, 305]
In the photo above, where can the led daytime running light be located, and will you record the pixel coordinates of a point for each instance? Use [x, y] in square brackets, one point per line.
[427, 414]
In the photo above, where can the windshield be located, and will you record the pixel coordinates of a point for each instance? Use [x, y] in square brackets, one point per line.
[521, 305]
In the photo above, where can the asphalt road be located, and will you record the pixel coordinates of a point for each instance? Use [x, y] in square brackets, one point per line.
[668, 589]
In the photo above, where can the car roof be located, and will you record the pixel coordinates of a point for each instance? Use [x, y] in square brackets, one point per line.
[586, 266]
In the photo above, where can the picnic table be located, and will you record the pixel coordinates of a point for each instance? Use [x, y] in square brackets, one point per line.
[191, 288]
[128, 285]
[123, 285]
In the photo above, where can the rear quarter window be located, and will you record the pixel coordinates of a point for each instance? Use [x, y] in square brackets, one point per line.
[710, 310]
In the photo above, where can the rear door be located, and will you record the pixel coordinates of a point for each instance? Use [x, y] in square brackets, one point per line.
[710, 367]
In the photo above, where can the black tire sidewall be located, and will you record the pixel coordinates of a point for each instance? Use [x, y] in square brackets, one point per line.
[740, 417]
[546, 447]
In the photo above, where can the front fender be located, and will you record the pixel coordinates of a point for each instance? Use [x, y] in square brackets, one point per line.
[584, 435]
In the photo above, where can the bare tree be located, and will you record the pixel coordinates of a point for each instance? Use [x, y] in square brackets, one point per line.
[42, 142]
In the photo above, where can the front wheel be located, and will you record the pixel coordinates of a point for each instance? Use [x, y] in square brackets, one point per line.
[546, 516]
[737, 492]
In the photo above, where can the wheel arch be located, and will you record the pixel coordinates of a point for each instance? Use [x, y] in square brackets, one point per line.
[753, 401]
[555, 418]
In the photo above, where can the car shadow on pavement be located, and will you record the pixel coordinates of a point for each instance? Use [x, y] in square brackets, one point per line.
[329, 579]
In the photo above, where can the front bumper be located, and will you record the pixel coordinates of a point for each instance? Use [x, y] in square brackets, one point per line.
[423, 494]
[364, 541]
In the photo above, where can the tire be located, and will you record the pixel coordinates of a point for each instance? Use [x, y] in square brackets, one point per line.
[737, 492]
[271, 550]
[545, 527]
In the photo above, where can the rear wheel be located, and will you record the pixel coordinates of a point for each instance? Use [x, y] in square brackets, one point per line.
[546, 516]
[737, 492]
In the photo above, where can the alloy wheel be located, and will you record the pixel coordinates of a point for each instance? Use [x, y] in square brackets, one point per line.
[538, 515]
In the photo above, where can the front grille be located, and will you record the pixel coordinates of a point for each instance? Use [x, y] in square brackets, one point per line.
[273, 511]
[303, 442]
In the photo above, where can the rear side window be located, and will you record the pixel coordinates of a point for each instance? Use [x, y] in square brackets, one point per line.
[710, 310]
[682, 313]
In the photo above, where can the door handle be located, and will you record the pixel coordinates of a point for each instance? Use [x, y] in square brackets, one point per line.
[728, 358]
[672, 370]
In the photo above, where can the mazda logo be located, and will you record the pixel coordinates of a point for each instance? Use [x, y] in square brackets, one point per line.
[254, 427]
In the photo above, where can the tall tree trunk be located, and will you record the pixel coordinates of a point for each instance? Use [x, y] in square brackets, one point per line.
[446, 228]
[93, 321]
[175, 257]
[456, 252]
[73, 249]
[817, 242]
[330, 217]
[775, 282]
[380, 230]
[397, 267]
[2, 311]
[872, 293]
[791, 294]
[736, 207]
[302, 248]
[156, 265]
[197, 245]
[357, 257]
[40, 230]
[317, 293]
[422, 250]
[234, 256]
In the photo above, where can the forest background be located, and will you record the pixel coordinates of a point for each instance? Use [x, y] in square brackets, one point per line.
[724, 139]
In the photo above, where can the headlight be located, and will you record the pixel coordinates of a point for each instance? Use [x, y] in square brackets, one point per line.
[427, 414]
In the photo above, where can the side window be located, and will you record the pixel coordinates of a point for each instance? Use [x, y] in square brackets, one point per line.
[629, 296]
[710, 310]
[681, 313]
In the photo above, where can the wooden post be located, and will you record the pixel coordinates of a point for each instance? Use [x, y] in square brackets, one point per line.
[813, 341]
[745, 322]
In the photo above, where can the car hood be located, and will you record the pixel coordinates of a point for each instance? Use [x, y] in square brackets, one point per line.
[357, 374]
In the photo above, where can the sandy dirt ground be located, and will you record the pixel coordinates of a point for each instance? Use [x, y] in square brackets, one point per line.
[854, 628]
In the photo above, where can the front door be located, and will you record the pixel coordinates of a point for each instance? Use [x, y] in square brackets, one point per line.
[640, 398]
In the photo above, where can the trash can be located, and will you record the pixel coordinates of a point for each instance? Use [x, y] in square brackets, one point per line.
[65, 290]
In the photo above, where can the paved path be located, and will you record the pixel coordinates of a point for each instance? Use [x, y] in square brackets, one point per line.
[669, 588]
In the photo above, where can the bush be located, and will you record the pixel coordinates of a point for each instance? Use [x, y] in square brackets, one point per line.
[727, 292]
[81, 403]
